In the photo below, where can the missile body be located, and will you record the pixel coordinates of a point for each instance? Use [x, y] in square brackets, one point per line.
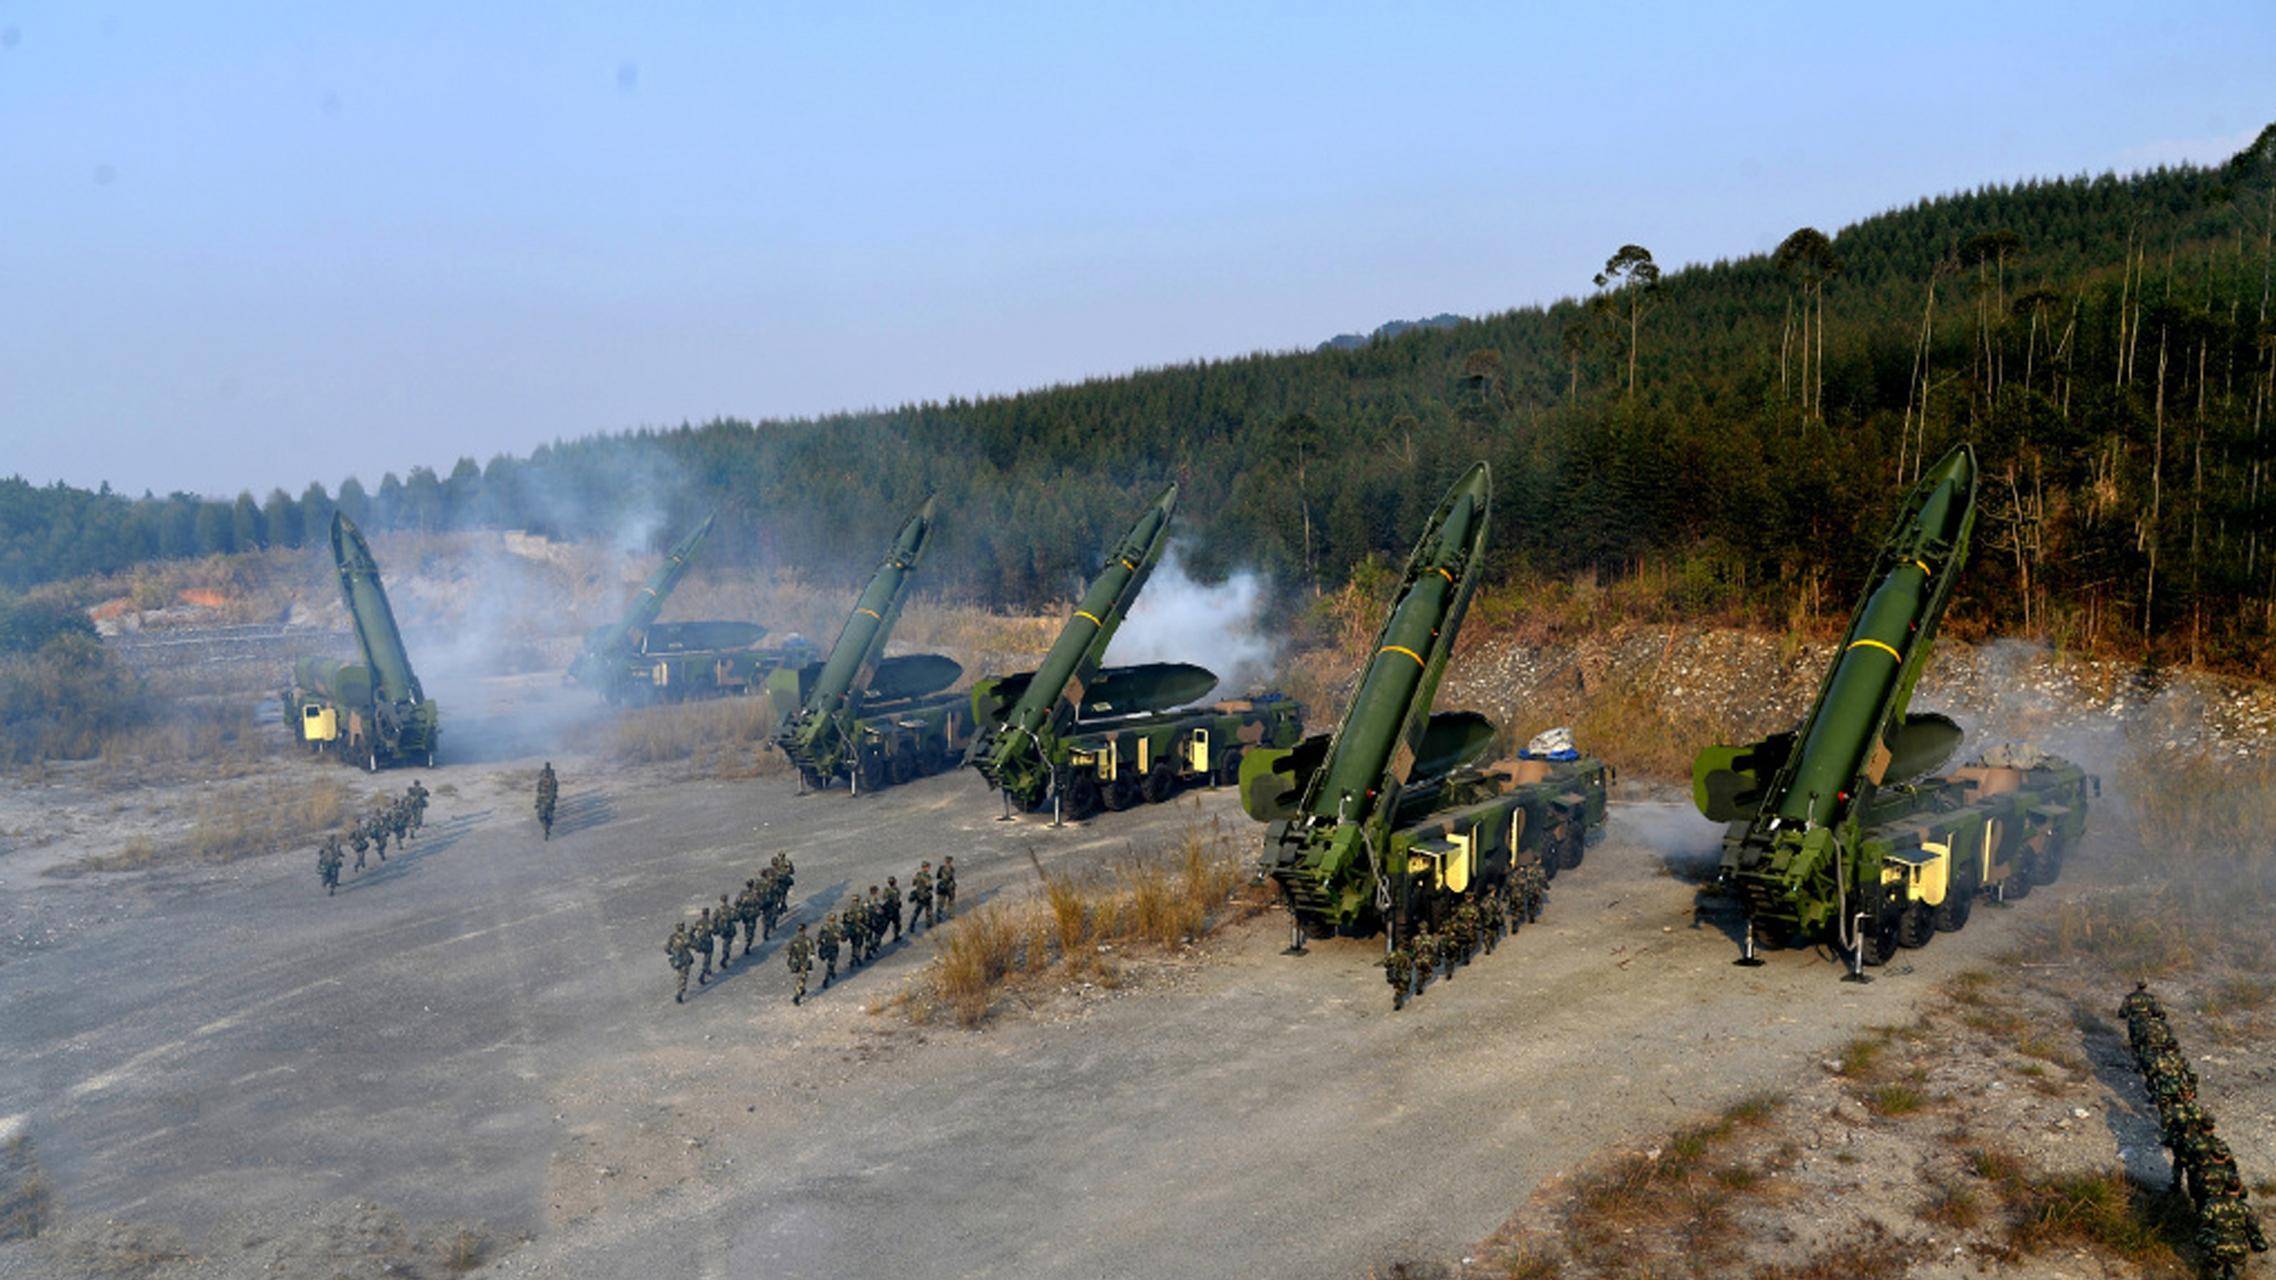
[1320, 854]
[1882, 653]
[374, 621]
[607, 649]
[816, 737]
[1007, 752]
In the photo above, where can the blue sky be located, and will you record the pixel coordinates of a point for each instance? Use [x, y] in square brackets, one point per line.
[250, 245]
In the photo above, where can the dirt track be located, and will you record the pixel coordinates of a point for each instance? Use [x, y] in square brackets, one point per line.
[483, 1030]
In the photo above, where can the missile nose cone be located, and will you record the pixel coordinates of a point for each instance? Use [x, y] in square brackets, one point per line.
[1958, 465]
[1168, 502]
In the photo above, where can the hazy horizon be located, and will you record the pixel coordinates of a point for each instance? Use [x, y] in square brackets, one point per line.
[252, 249]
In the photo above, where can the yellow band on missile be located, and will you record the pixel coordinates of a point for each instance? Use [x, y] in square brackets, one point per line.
[1875, 644]
[1392, 648]
[871, 612]
[1925, 570]
[1127, 565]
[1444, 574]
[1092, 616]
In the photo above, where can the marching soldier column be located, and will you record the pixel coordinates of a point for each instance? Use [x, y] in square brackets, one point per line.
[2203, 1165]
[855, 932]
[398, 819]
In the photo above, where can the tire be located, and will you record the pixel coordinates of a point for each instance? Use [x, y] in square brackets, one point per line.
[1159, 784]
[1121, 794]
[1878, 943]
[1229, 769]
[1575, 849]
[1916, 925]
[2020, 881]
[871, 772]
[901, 766]
[2047, 865]
[1082, 798]
[1951, 915]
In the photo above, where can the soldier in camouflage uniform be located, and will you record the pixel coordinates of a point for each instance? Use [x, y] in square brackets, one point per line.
[399, 822]
[418, 793]
[747, 912]
[1399, 971]
[1533, 890]
[548, 794]
[921, 897]
[328, 862]
[850, 922]
[701, 937]
[875, 926]
[359, 840]
[1461, 936]
[1426, 951]
[774, 898]
[801, 960]
[893, 905]
[681, 955]
[944, 886]
[826, 946]
[378, 828]
[723, 926]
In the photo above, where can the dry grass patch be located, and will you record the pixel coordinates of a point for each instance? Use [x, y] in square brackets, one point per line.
[726, 737]
[1159, 900]
[1685, 1191]
[27, 1202]
[2103, 1211]
[245, 820]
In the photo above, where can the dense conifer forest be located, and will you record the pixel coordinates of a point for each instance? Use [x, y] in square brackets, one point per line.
[1727, 431]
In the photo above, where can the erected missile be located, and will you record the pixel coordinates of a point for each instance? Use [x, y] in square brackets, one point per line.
[373, 711]
[1857, 735]
[814, 736]
[368, 611]
[606, 648]
[1376, 746]
[1332, 800]
[1007, 752]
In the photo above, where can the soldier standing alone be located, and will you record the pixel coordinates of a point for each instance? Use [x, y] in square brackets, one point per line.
[328, 864]
[682, 957]
[944, 885]
[548, 793]
[801, 960]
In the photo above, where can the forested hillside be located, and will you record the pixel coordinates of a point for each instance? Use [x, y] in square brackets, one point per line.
[2108, 343]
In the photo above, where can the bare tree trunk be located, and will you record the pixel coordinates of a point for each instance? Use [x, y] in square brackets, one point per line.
[1785, 343]
[2157, 497]
[1818, 397]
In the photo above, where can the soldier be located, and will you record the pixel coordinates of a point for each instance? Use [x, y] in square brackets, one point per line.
[893, 905]
[876, 929]
[747, 912]
[1399, 971]
[1490, 919]
[801, 956]
[723, 925]
[548, 793]
[2225, 1230]
[378, 835]
[359, 840]
[1461, 938]
[328, 864]
[787, 870]
[418, 792]
[944, 886]
[1535, 883]
[1426, 950]
[399, 822]
[774, 899]
[921, 896]
[850, 923]
[681, 953]
[2139, 1004]
[826, 944]
[702, 941]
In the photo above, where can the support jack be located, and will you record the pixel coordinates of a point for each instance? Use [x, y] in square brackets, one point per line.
[1747, 958]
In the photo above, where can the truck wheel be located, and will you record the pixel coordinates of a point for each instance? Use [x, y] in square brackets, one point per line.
[1575, 848]
[1229, 768]
[1878, 943]
[1915, 926]
[1082, 799]
[2047, 864]
[1952, 913]
[901, 766]
[2019, 881]
[1121, 793]
[1159, 784]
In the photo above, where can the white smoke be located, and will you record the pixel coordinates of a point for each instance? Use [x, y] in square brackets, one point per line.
[1219, 626]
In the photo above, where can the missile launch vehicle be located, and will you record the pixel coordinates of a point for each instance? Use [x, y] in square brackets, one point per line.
[370, 712]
